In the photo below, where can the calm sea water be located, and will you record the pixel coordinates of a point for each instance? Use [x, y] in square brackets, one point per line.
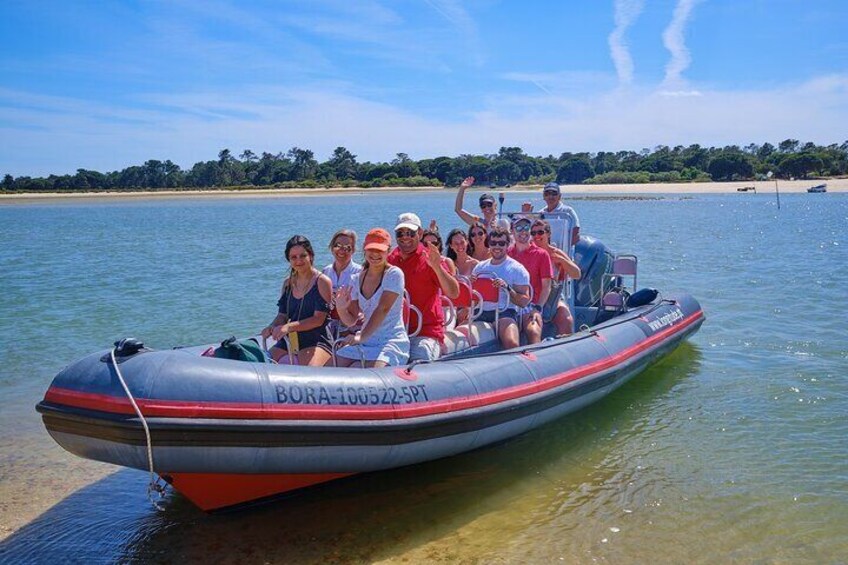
[733, 449]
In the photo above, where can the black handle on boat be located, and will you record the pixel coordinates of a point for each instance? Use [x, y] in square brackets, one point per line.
[128, 346]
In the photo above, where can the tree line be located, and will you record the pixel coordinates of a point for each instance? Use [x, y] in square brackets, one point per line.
[510, 165]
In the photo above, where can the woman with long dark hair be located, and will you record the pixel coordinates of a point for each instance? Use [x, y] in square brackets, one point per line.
[300, 326]
[477, 233]
[460, 250]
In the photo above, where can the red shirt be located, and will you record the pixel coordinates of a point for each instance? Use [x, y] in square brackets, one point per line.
[424, 290]
[538, 263]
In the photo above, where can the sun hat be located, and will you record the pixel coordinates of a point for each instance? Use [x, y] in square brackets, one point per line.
[551, 187]
[378, 239]
[518, 219]
[408, 221]
[486, 197]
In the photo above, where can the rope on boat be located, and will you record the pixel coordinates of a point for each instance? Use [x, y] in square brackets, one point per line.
[154, 485]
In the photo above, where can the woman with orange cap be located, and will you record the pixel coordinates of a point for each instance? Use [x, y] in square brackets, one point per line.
[377, 294]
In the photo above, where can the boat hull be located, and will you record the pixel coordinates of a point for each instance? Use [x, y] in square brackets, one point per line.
[273, 429]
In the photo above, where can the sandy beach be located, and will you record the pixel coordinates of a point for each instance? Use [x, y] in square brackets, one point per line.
[762, 187]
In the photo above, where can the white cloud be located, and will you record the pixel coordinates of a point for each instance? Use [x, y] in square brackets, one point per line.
[465, 25]
[626, 12]
[568, 83]
[675, 42]
[42, 135]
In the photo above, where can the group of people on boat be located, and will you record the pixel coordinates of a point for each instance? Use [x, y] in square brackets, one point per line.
[364, 303]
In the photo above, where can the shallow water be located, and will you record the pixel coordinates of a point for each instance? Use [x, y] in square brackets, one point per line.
[731, 449]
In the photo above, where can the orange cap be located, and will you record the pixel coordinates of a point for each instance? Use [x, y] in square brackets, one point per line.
[378, 239]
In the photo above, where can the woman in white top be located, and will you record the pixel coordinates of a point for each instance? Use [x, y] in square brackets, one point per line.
[343, 267]
[377, 293]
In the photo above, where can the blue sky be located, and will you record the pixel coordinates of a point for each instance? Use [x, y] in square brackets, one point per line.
[104, 85]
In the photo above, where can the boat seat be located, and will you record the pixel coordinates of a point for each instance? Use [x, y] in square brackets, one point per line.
[613, 302]
[468, 335]
[623, 265]
[449, 311]
[412, 317]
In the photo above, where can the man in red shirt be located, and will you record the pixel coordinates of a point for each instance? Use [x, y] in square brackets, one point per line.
[426, 278]
[538, 263]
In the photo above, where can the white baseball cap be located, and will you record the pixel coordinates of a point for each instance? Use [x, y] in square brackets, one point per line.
[408, 221]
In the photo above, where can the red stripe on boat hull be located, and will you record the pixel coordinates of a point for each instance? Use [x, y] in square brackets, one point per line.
[248, 410]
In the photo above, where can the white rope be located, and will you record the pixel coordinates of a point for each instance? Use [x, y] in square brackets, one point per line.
[153, 485]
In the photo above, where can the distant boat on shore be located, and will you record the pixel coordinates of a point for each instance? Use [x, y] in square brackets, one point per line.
[818, 188]
[746, 189]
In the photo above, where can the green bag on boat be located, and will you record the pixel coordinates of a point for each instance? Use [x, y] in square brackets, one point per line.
[241, 350]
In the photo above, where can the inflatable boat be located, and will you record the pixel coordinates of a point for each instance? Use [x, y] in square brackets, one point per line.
[225, 432]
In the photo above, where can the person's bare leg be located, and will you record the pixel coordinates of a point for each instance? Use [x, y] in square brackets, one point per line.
[508, 333]
[344, 361]
[279, 354]
[314, 356]
[563, 320]
[533, 327]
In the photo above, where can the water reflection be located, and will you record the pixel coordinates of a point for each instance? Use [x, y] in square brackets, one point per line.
[460, 508]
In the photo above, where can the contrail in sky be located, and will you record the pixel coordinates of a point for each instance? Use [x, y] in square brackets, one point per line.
[676, 44]
[626, 12]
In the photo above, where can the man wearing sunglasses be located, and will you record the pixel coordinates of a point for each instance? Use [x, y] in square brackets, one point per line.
[506, 273]
[426, 278]
[488, 208]
[538, 265]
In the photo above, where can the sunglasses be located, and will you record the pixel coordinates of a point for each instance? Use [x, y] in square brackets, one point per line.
[522, 228]
[405, 233]
[487, 204]
[342, 247]
[477, 233]
[498, 243]
[302, 256]
[539, 232]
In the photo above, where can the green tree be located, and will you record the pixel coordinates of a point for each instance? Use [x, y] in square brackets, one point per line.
[765, 150]
[661, 160]
[513, 154]
[304, 164]
[404, 166]
[730, 165]
[574, 171]
[788, 146]
[503, 171]
[799, 165]
[343, 164]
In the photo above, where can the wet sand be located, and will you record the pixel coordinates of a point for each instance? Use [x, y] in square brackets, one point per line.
[762, 187]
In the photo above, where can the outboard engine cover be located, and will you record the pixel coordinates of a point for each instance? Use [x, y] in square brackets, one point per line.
[595, 260]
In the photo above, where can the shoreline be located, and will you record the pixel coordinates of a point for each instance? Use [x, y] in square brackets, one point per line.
[762, 187]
